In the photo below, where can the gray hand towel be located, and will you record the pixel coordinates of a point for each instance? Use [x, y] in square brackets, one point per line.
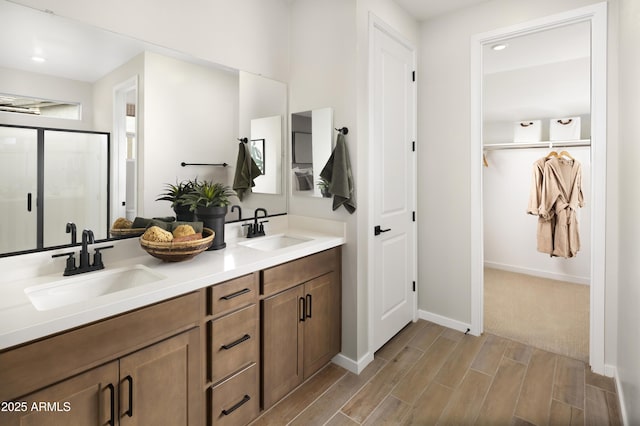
[337, 172]
[246, 171]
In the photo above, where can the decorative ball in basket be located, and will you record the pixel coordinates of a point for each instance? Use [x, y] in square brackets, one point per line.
[177, 251]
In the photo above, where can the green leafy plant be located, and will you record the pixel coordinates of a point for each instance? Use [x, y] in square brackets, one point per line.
[323, 184]
[206, 194]
[177, 193]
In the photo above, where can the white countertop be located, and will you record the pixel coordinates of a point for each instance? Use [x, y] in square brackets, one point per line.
[21, 322]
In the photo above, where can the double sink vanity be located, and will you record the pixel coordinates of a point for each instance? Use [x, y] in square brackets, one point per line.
[213, 340]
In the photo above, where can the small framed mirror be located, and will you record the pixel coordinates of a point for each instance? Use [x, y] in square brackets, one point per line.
[311, 146]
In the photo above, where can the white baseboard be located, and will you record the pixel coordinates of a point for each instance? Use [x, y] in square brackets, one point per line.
[610, 369]
[355, 367]
[538, 273]
[444, 321]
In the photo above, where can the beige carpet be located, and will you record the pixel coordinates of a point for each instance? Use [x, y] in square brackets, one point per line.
[548, 314]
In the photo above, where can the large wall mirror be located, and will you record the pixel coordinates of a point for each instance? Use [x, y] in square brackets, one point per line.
[161, 108]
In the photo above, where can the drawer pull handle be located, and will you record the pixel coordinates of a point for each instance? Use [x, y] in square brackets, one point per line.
[236, 406]
[112, 401]
[129, 412]
[236, 294]
[236, 343]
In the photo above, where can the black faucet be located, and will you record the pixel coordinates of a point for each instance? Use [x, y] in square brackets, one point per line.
[256, 229]
[85, 266]
[87, 238]
[71, 229]
[235, 206]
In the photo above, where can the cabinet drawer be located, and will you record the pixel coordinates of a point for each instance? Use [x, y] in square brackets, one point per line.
[234, 342]
[233, 294]
[292, 273]
[235, 401]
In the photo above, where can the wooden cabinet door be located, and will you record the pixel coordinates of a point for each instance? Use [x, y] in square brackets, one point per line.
[87, 399]
[282, 334]
[160, 385]
[322, 322]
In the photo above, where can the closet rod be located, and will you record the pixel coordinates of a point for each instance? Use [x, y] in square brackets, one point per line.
[547, 144]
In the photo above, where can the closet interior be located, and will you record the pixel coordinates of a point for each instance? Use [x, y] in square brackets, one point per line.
[536, 189]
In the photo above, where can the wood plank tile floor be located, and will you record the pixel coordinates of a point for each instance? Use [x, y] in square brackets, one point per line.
[428, 374]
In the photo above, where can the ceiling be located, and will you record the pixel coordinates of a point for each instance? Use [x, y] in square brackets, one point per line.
[427, 9]
[71, 49]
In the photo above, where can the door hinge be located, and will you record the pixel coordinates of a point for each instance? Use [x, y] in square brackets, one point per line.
[413, 146]
[413, 216]
[413, 75]
[414, 286]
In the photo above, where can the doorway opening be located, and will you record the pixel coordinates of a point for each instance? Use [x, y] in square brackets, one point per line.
[503, 158]
[125, 147]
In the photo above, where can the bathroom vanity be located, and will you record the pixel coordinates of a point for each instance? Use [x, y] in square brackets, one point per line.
[220, 338]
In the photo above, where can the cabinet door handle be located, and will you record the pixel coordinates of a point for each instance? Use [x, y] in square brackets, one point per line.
[301, 309]
[236, 294]
[237, 342]
[129, 412]
[29, 201]
[308, 302]
[112, 410]
[237, 405]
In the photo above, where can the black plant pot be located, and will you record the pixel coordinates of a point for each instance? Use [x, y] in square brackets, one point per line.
[213, 217]
[183, 214]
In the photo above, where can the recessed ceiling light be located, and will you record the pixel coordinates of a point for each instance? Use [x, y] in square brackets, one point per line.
[38, 59]
[500, 46]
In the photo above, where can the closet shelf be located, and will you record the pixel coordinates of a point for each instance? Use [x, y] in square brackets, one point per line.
[541, 144]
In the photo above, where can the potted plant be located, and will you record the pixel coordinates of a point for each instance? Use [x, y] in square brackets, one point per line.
[210, 202]
[323, 184]
[176, 195]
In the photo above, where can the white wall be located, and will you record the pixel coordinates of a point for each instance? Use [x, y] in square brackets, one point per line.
[323, 67]
[190, 115]
[444, 130]
[329, 68]
[629, 267]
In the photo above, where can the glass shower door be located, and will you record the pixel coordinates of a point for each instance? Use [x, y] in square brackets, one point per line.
[76, 183]
[18, 189]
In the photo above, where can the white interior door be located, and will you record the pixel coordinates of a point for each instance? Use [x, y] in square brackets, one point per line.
[393, 186]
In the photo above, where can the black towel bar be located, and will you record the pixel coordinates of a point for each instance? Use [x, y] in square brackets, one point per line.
[183, 164]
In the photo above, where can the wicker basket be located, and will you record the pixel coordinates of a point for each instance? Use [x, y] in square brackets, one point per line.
[178, 251]
[126, 232]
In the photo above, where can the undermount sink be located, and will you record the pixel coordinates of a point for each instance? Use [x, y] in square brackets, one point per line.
[274, 242]
[79, 288]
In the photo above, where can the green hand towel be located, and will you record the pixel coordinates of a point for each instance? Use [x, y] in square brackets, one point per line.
[337, 172]
[142, 222]
[246, 171]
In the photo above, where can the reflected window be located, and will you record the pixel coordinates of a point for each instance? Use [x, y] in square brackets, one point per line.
[39, 107]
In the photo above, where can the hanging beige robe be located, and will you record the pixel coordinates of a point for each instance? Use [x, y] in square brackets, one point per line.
[560, 198]
[545, 225]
